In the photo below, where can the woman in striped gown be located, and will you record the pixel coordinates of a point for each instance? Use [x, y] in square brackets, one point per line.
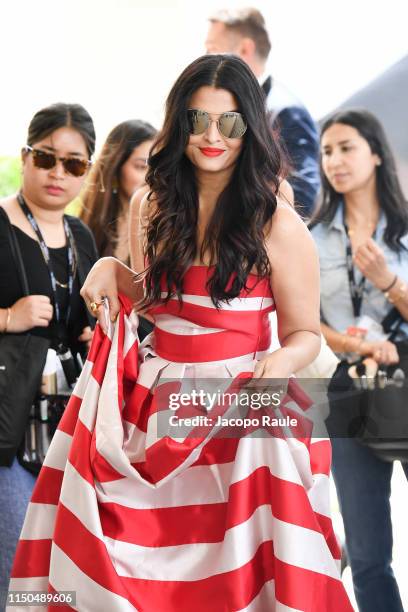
[156, 495]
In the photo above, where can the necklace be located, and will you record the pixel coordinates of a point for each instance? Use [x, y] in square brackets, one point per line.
[370, 229]
[74, 269]
[62, 285]
[71, 256]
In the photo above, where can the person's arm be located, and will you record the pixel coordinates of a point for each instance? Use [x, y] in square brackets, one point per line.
[295, 287]
[286, 193]
[29, 311]
[26, 313]
[109, 276]
[5, 315]
[301, 142]
[138, 220]
[382, 351]
[341, 343]
[106, 279]
[371, 261]
[398, 295]
[137, 225]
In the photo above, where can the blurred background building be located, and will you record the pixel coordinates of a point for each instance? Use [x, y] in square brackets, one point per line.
[387, 97]
[119, 59]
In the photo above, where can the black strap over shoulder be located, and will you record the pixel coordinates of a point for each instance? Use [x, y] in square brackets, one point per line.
[16, 252]
[22, 357]
[392, 322]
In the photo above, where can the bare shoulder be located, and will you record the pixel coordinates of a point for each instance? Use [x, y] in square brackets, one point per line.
[141, 204]
[285, 222]
[286, 194]
[288, 234]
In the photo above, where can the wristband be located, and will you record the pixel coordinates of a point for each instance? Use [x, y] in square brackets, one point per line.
[390, 286]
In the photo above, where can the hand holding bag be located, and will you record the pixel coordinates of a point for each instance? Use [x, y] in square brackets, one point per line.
[22, 359]
[373, 408]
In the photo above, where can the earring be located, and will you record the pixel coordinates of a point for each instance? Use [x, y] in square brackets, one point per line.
[115, 187]
[102, 185]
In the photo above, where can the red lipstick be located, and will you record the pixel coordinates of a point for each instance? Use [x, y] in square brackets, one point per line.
[211, 151]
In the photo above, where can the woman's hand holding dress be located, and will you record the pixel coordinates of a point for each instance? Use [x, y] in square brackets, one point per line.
[107, 278]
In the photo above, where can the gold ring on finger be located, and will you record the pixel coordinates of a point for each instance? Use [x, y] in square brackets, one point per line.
[94, 306]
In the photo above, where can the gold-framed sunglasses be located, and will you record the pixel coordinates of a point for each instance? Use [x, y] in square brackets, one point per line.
[230, 124]
[45, 160]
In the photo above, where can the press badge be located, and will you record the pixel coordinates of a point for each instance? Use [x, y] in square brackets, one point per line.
[368, 329]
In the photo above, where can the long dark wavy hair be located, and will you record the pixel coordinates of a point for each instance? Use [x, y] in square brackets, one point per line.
[101, 204]
[234, 238]
[389, 192]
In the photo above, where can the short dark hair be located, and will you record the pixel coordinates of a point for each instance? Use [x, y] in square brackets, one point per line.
[248, 22]
[59, 115]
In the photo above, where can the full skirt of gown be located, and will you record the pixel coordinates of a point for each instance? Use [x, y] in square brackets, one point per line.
[131, 518]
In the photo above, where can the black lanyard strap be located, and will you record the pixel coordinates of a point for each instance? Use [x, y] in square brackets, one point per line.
[46, 255]
[356, 289]
[393, 319]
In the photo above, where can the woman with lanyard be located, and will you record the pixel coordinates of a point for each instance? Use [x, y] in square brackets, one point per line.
[61, 292]
[361, 232]
[55, 250]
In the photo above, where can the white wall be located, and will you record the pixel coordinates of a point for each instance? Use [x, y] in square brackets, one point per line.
[120, 57]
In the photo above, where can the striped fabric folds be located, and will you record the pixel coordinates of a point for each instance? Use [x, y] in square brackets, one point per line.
[133, 521]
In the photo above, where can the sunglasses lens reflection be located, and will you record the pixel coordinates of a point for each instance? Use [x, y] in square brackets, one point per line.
[46, 161]
[232, 125]
[198, 121]
[43, 160]
[76, 167]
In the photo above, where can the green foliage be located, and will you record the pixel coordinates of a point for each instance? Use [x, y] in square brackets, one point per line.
[10, 168]
[74, 207]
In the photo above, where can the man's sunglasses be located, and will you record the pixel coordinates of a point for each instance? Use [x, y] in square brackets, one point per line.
[46, 161]
[230, 125]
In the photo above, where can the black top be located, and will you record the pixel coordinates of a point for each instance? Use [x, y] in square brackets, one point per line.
[39, 280]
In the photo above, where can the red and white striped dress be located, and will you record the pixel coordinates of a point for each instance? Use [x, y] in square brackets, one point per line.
[133, 521]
